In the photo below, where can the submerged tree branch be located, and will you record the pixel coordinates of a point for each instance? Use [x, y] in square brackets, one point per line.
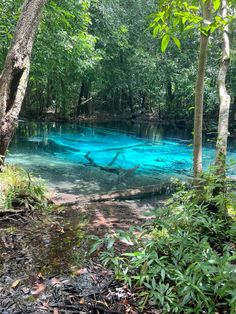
[109, 168]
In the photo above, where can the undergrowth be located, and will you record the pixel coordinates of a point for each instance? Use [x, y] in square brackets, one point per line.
[18, 189]
[182, 260]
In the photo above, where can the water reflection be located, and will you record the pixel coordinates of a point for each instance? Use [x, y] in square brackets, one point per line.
[57, 152]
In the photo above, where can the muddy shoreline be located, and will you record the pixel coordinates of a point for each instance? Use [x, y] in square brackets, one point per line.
[45, 266]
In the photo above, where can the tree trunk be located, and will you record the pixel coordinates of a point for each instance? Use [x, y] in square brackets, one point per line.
[199, 94]
[221, 146]
[131, 104]
[81, 95]
[15, 74]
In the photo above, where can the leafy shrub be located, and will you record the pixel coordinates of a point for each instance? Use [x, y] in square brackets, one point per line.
[17, 187]
[182, 260]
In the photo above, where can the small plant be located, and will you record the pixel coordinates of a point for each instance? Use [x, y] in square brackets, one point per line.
[18, 188]
[183, 259]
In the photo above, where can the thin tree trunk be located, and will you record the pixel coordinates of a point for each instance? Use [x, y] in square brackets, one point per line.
[81, 94]
[15, 74]
[221, 146]
[199, 94]
[131, 104]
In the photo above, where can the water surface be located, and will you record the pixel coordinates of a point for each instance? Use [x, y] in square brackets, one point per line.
[57, 153]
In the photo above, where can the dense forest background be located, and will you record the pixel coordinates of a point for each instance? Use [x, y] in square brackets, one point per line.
[96, 57]
[109, 61]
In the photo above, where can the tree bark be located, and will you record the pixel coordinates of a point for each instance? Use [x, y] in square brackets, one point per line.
[81, 95]
[199, 93]
[15, 74]
[221, 145]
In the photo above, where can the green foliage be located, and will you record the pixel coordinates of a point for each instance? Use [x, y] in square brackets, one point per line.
[183, 259]
[106, 46]
[181, 16]
[165, 42]
[19, 188]
[9, 13]
[63, 53]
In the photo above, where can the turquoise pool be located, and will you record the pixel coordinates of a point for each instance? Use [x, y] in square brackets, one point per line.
[57, 152]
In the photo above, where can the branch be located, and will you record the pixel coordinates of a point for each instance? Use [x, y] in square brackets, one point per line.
[118, 171]
[114, 159]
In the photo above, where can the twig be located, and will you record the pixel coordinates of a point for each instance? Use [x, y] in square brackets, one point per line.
[11, 211]
[114, 159]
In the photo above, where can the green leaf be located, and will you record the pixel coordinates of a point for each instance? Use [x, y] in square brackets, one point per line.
[190, 26]
[176, 41]
[110, 243]
[135, 254]
[163, 274]
[216, 4]
[165, 41]
[156, 30]
[94, 247]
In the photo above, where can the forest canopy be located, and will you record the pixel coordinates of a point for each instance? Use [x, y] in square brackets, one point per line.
[105, 52]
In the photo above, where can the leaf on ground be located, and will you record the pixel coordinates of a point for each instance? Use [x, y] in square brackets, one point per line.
[82, 301]
[38, 288]
[15, 283]
[44, 306]
[55, 311]
[40, 276]
[81, 271]
[57, 228]
[55, 281]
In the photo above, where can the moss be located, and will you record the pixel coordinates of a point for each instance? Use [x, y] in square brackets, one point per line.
[30, 299]
[10, 230]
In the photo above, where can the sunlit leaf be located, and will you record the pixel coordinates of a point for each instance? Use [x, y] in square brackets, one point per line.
[164, 43]
[176, 41]
[15, 283]
[216, 4]
[39, 288]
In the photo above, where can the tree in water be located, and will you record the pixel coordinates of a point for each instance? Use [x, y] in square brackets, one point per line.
[199, 90]
[173, 21]
[166, 23]
[221, 146]
[15, 74]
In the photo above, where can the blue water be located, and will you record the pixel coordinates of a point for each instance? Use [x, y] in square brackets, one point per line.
[57, 152]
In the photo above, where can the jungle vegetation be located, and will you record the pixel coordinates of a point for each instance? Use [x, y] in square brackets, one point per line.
[105, 51]
[163, 60]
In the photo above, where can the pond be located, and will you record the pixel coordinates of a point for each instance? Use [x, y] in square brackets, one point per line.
[77, 158]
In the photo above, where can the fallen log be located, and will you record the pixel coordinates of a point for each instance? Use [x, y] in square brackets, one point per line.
[129, 194]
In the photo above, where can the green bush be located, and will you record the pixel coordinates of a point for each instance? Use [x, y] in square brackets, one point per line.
[182, 260]
[18, 188]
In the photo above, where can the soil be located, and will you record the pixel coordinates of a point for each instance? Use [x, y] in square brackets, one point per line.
[45, 266]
